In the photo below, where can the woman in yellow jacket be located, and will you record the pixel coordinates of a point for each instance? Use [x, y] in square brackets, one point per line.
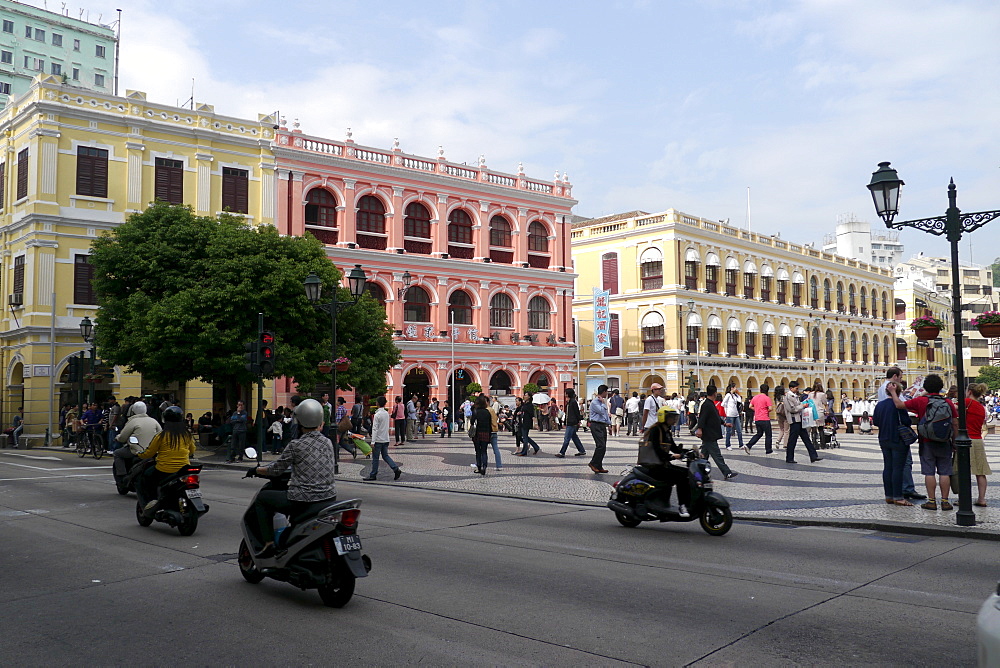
[172, 448]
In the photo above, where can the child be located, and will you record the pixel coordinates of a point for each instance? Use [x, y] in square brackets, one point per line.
[865, 424]
[848, 419]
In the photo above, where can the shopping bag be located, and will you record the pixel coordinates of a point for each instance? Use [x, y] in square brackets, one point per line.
[361, 444]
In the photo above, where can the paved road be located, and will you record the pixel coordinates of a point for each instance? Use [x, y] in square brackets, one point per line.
[464, 579]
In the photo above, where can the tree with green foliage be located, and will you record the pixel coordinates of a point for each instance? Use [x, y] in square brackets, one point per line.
[529, 387]
[473, 389]
[991, 376]
[179, 296]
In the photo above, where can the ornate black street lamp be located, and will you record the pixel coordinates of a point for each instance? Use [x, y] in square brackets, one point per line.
[87, 332]
[884, 186]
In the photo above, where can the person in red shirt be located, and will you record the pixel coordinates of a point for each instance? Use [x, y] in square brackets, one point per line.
[935, 456]
[975, 416]
[761, 405]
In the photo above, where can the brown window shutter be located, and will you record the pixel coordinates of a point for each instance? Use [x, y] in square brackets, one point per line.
[615, 349]
[22, 174]
[3, 184]
[91, 172]
[169, 181]
[609, 272]
[19, 274]
[235, 190]
[83, 274]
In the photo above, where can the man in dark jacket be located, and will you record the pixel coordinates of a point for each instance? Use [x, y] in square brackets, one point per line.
[572, 425]
[709, 430]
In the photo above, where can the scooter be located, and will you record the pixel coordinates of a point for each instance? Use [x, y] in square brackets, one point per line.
[319, 549]
[179, 495]
[123, 465]
[634, 498]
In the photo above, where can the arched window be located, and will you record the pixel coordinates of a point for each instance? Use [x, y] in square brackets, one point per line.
[371, 215]
[732, 273]
[460, 232]
[460, 308]
[799, 341]
[418, 305]
[875, 348]
[815, 343]
[538, 313]
[538, 237]
[885, 350]
[371, 223]
[767, 339]
[750, 338]
[784, 334]
[797, 282]
[376, 292]
[826, 294]
[651, 268]
[814, 291]
[854, 346]
[840, 297]
[749, 276]
[852, 299]
[691, 262]
[864, 348]
[829, 344]
[864, 302]
[501, 310]
[321, 208]
[652, 332]
[733, 336]
[500, 232]
[841, 346]
[885, 306]
[417, 221]
[874, 303]
[712, 265]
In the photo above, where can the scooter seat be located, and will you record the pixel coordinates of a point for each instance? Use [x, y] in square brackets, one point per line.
[310, 511]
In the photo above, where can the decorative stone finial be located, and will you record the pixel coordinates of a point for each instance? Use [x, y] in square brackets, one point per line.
[295, 124]
[349, 134]
[284, 122]
[482, 160]
[565, 177]
[556, 177]
[395, 143]
[440, 151]
[520, 169]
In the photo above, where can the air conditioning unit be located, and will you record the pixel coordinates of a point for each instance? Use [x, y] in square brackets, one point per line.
[16, 299]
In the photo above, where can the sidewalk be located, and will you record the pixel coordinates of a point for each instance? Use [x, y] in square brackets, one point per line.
[845, 489]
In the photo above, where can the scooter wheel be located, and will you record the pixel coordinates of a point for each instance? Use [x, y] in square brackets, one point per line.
[122, 487]
[247, 568]
[627, 521]
[716, 521]
[189, 524]
[141, 516]
[337, 595]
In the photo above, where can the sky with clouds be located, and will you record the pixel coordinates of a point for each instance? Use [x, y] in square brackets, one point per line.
[646, 104]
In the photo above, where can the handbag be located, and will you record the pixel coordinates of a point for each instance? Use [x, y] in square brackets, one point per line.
[905, 431]
[472, 429]
[647, 455]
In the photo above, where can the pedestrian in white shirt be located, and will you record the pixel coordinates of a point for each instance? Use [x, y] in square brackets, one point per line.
[654, 402]
[732, 403]
[632, 415]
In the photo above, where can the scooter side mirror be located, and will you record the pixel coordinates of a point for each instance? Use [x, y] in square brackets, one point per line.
[251, 453]
[133, 440]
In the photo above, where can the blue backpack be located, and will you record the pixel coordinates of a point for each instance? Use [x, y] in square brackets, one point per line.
[935, 425]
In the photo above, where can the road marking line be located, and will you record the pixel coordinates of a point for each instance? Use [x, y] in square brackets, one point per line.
[66, 468]
[18, 454]
[46, 477]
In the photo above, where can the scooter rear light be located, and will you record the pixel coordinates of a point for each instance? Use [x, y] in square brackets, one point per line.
[615, 484]
[349, 519]
[191, 481]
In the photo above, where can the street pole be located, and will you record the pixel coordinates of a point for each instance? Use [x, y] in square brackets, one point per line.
[93, 356]
[885, 186]
[260, 395]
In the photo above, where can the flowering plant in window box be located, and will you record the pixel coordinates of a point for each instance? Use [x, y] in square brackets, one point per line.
[325, 366]
[342, 363]
[926, 327]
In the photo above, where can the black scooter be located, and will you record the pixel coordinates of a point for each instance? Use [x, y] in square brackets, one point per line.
[634, 497]
[319, 549]
[123, 465]
[179, 495]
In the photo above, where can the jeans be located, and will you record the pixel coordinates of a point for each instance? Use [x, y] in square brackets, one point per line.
[795, 432]
[237, 444]
[894, 456]
[570, 435]
[527, 440]
[400, 431]
[496, 449]
[734, 424]
[763, 429]
[599, 430]
[711, 448]
[381, 450]
[908, 487]
[112, 443]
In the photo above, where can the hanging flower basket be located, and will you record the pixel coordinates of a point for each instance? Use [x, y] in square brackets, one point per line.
[326, 366]
[93, 378]
[342, 363]
[926, 327]
[927, 333]
[988, 324]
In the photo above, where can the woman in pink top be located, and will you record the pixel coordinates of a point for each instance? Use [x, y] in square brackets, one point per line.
[761, 405]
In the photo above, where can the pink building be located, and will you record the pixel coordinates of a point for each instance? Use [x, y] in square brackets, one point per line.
[487, 255]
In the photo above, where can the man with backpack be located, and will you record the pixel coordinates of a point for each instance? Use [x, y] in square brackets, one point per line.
[937, 424]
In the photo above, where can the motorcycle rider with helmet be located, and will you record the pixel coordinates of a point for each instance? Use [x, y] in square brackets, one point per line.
[311, 458]
[660, 437]
[140, 425]
[172, 448]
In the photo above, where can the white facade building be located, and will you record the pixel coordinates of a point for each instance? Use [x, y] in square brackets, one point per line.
[855, 239]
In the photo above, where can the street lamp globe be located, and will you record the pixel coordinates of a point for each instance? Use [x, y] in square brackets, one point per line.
[313, 286]
[690, 304]
[406, 279]
[356, 281]
[884, 187]
[86, 328]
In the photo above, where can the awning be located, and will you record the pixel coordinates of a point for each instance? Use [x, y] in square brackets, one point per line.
[782, 274]
[798, 278]
[752, 326]
[768, 328]
[712, 260]
[731, 263]
[800, 332]
[766, 271]
[714, 322]
[733, 325]
[749, 267]
[900, 342]
[653, 319]
[693, 320]
[691, 255]
[784, 330]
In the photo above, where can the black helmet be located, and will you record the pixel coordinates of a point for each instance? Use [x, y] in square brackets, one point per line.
[173, 414]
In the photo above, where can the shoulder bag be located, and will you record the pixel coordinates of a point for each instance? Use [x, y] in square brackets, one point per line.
[905, 432]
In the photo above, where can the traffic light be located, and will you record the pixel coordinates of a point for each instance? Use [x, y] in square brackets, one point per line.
[74, 369]
[266, 353]
[251, 356]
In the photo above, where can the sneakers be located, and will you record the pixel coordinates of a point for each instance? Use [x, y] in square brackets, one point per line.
[368, 478]
[731, 475]
[580, 454]
[150, 508]
[683, 511]
[559, 455]
[398, 472]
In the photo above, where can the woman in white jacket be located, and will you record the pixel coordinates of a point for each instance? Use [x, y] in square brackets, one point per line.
[732, 403]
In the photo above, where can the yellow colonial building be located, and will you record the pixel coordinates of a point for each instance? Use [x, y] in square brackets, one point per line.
[919, 291]
[75, 164]
[695, 301]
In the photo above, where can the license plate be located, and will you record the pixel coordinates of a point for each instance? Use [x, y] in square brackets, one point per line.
[347, 544]
[193, 493]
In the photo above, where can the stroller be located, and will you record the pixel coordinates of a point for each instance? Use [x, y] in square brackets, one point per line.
[828, 433]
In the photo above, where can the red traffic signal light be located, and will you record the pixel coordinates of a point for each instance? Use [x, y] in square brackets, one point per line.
[266, 353]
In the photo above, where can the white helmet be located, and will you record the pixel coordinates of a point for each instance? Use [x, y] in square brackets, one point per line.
[138, 408]
[309, 413]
